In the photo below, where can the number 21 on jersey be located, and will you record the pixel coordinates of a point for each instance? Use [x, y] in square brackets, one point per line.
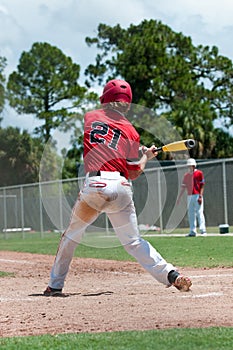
[100, 130]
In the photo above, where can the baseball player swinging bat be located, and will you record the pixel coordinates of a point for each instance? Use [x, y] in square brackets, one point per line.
[174, 146]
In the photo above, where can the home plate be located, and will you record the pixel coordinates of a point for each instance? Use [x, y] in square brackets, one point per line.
[206, 295]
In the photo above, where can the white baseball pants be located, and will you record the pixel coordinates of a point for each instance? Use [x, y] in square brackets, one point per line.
[196, 214]
[111, 194]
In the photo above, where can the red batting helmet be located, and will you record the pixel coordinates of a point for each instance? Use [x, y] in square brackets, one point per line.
[116, 90]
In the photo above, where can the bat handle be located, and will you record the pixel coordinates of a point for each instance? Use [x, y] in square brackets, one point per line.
[144, 149]
[158, 149]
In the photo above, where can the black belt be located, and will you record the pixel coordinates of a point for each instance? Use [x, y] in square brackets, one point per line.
[97, 173]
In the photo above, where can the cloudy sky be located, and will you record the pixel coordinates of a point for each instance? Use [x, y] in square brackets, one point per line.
[65, 24]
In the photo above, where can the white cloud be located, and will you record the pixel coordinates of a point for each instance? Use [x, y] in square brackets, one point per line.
[214, 13]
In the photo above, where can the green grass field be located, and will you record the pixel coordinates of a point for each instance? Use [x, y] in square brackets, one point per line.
[177, 339]
[181, 251]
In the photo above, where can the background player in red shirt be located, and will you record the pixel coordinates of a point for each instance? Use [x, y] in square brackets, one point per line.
[193, 182]
[111, 147]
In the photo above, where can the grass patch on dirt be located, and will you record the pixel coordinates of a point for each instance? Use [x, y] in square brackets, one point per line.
[6, 274]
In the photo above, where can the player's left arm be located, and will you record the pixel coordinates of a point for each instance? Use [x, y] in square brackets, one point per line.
[201, 191]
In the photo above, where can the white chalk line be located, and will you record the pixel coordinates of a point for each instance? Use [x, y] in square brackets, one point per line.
[16, 299]
[206, 295]
[17, 261]
[213, 276]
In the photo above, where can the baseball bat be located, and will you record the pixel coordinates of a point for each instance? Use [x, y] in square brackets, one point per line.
[174, 146]
[177, 146]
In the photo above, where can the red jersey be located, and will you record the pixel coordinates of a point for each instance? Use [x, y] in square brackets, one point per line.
[193, 181]
[111, 143]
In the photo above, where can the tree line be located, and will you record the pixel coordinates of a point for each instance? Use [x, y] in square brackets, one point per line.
[190, 86]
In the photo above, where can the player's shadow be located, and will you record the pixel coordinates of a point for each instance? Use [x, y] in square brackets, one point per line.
[97, 294]
[65, 295]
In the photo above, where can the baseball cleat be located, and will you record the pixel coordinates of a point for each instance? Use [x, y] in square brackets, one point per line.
[203, 233]
[52, 292]
[182, 283]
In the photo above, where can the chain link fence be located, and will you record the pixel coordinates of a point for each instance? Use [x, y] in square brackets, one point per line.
[47, 206]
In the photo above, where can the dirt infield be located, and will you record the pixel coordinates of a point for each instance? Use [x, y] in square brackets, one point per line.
[103, 296]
